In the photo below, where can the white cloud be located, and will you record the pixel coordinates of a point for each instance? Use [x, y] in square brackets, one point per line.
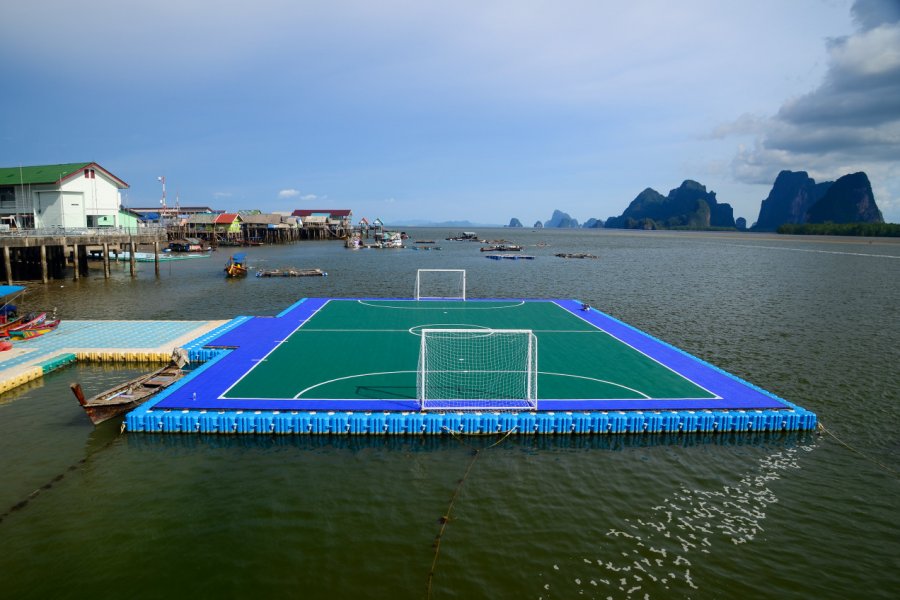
[850, 122]
[746, 124]
[310, 197]
[288, 193]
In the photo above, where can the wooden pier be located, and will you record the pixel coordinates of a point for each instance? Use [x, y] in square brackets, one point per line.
[41, 255]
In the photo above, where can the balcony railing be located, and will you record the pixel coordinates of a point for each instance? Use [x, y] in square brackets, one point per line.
[82, 231]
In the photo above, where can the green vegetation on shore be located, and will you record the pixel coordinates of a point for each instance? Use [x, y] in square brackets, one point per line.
[859, 229]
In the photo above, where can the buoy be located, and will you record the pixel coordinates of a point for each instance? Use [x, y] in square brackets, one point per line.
[4, 346]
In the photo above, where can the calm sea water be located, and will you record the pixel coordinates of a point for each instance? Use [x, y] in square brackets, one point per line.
[89, 513]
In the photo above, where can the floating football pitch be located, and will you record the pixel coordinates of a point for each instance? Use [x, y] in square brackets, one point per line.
[362, 355]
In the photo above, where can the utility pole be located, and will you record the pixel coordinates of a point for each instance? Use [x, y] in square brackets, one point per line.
[162, 213]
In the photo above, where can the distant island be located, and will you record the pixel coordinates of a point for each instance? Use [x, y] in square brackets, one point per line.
[688, 206]
[450, 224]
[796, 204]
[796, 199]
[559, 219]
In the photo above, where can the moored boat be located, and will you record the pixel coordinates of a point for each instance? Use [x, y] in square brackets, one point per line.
[28, 321]
[13, 322]
[236, 265]
[33, 331]
[9, 312]
[131, 394]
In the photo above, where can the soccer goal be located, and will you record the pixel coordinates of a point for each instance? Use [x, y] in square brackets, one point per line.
[441, 284]
[477, 369]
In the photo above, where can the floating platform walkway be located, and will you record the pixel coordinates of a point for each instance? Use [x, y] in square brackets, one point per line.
[99, 342]
[350, 366]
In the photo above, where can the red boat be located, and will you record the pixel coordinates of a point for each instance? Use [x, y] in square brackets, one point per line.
[29, 321]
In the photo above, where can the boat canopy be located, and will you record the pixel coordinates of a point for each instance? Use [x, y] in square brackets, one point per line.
[240, 257]
[6, 290]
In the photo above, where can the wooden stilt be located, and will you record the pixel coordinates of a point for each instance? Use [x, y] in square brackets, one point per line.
[7, 264]
[44, 271]
[106, 260]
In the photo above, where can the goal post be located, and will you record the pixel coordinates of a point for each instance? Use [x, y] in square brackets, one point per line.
[441, 284]
[477, 369]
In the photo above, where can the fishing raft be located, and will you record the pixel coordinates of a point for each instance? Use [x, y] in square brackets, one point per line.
[291, 273]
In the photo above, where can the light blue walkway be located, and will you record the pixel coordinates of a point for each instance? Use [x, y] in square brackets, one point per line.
[100, 335]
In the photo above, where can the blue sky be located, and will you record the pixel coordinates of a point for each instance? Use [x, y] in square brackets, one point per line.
[455, 110]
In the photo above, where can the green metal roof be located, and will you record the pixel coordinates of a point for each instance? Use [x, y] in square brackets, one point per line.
[38, 174]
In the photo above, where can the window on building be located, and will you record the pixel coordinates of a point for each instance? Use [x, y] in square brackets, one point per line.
[7, 197]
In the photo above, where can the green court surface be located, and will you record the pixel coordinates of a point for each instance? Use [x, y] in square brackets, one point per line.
[369, 349]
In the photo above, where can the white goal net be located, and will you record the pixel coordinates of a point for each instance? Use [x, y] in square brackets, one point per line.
[441, 284]
[477, 369]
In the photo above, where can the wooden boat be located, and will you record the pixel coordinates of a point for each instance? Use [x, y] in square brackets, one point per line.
[29, 321]
[133, 393]
[9, 312]
[26, 333]
[236, 265]
[14, 322]
[291, 273]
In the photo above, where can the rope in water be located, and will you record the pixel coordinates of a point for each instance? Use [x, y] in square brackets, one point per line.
[445, 518]
[884, 467]
[74, 466]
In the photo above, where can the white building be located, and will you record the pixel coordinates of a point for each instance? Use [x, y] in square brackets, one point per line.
[74, 195]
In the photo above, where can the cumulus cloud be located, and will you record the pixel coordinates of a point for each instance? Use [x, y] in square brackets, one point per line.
[851, 121]
[862, 85]
[288, 193]
[869, 14]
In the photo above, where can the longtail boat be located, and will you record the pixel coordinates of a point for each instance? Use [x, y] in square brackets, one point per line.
[33, 331]
[131, 394]
[14, 322]
[29, 321]
[9, 312]
[236, 265]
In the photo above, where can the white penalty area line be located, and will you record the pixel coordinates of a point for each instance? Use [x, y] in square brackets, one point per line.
[359, 375]
[321, 383]
[714, 395]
